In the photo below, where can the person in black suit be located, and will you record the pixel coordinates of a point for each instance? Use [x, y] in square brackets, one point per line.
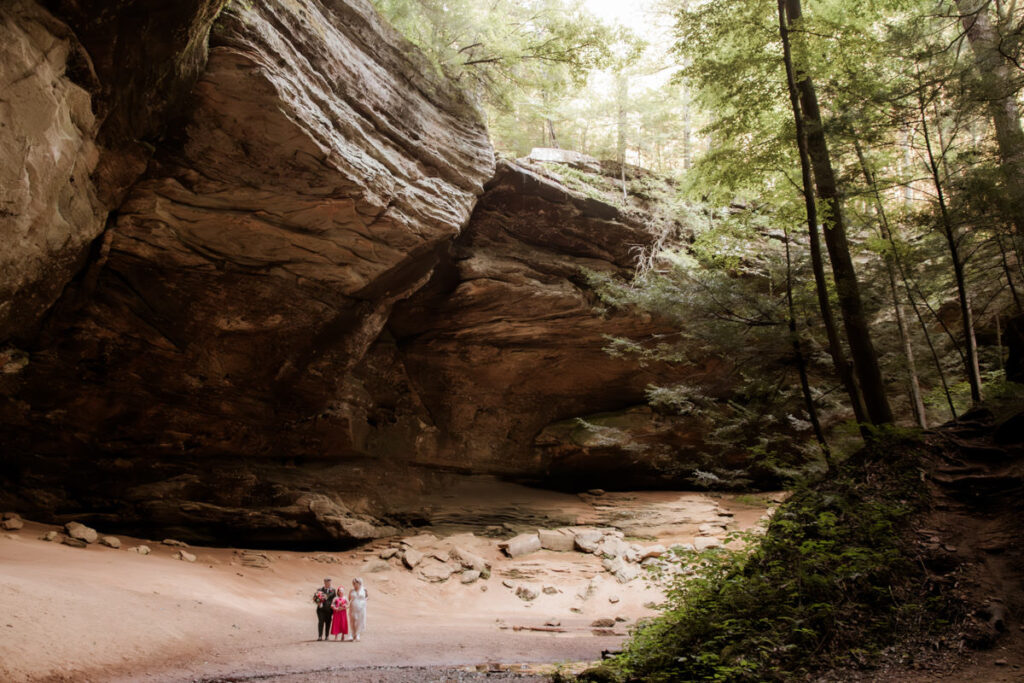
[323, 597]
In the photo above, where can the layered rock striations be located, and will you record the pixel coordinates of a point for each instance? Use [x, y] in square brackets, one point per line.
[305, 307]
[510, 336]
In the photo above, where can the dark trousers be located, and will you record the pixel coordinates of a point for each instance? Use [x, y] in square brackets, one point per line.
[323, 623]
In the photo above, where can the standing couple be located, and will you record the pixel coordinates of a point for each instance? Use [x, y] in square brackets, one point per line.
[331, 607]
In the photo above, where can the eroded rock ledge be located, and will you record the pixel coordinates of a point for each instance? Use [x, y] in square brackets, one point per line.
[309, 309]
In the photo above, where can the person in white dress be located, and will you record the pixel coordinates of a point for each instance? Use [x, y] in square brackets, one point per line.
[357, 608]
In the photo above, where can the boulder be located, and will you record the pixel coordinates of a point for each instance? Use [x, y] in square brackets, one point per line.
[50, 535]
[604, 622]
[184, 555]
[411, 557]
[111, 541]
[12, 524]
[613, 599]
[435, 572]
[523, 544]
[468, 559]
[140, 549]
[527, 592]
[81, 532]
[562, 540]
[652, 551]
[174, 543]
[550, 590]
[11, 515]
[706, 542]
[387, 553]
[470, 576]
[623, 571]
[587, 541]
[74, 542]
[610, 546]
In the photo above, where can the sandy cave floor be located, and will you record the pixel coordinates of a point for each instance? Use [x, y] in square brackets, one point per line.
[100, 614]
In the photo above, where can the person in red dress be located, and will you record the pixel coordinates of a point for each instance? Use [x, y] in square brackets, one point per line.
[339, 623]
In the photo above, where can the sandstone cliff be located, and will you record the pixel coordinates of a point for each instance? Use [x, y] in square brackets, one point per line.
[305, 306]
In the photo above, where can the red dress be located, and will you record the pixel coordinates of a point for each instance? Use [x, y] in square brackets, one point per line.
[339, 624]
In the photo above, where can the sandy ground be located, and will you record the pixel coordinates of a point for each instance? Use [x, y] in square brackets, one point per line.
[100, 614]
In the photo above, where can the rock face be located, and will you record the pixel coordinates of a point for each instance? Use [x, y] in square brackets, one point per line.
[507, 338]
[49, 209]
[315, 294]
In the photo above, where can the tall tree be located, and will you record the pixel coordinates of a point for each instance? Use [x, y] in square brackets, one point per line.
[858, 334]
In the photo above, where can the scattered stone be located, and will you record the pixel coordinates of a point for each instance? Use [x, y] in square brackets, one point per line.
[586, 541]
[706, 542]
[81, 532]
[50, 535]
[74, 542]
[141, 549]
[255, 560]
[435, 572]
[173, 543]
[378, 566]
[576, 610]
[561, 540]
[468, 559]
[604, 632]
[621, 620]
[605, 622]
[711, 529]
[483, 587]
[613, 599]
[523, 544]
[411, 557]
[507, 584]
[652, 551]
[596, 492]
[610, 546]
[494, 531]
[550, 590]
[553, 621]
[111, 541]
[387, 553]
[470, 576]
[184, 555]
[11, 515]
[623, 571]
[525, 592]
[1000, 662]
[13, 524]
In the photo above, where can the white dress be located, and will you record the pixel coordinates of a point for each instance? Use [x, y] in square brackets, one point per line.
[357, 611]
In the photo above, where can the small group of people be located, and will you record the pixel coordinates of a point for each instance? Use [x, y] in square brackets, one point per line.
[338, 616]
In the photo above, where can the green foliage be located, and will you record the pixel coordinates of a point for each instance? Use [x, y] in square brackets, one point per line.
[828, 584]
[498, 49]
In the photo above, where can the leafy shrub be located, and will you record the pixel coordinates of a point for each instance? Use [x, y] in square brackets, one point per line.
[830, 582]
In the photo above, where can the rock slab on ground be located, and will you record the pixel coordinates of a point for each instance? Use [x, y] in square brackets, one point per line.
[523, 544]
[81, 532]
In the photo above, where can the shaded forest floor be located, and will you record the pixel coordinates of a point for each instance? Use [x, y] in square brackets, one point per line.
[969, 545]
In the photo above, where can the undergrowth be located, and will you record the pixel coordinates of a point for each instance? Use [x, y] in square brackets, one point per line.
[831, 583]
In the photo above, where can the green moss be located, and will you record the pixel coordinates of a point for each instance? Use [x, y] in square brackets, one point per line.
[830, 583]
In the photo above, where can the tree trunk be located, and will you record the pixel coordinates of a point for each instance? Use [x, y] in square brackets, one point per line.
[971, 356]
[842, 368]
[996, 74]
[801, 363]
[858, 335]
[913, 383]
